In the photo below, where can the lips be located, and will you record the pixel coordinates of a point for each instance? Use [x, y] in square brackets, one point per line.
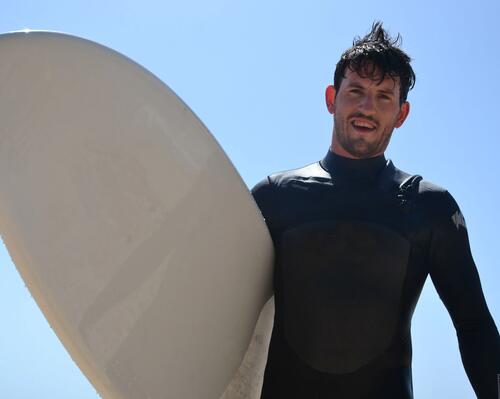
[363, 125]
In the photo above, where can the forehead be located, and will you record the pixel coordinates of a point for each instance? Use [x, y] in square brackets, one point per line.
[352, 78]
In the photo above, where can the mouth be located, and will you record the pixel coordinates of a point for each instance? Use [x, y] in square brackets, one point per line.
[363, 125]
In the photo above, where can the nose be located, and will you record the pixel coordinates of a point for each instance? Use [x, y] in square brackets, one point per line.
[367, 104]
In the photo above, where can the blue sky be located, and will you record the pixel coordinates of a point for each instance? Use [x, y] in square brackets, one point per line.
[255, 73]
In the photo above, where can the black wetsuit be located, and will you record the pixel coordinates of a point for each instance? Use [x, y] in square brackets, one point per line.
[355, 241]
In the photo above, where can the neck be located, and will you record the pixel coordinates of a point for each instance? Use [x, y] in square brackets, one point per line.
[339, 150]
[348, 168]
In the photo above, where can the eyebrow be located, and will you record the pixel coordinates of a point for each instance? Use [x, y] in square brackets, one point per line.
[354, 84]
[358, 86]
[387, 91]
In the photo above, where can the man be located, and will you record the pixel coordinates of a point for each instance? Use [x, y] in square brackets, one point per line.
[355, 239]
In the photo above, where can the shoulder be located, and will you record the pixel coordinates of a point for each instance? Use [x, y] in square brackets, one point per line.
[309, 173]
[433, 200]
[440, 206]
[288, 178]
[285, 187]
[437, 200]
[428, 193]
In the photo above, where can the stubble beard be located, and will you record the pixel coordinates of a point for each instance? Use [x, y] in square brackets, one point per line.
[360, 147]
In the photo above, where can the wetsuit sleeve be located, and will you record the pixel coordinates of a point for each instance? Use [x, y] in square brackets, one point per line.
[455, 277]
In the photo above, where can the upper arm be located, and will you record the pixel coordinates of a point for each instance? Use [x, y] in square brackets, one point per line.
[264, 194]
[452, 267]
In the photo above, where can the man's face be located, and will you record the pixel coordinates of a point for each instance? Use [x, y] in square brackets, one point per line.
[365, 114]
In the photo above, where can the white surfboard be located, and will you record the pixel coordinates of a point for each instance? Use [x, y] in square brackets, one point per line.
[132, 230]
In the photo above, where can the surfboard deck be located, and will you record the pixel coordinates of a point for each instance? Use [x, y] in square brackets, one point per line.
[132, 230]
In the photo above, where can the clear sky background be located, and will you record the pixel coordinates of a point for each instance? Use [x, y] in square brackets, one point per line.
[255, 73]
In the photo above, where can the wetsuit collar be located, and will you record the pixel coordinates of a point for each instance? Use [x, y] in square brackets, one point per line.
[347, 168]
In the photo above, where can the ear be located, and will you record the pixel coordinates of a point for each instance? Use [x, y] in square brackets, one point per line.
[330, 99]
[403, 114]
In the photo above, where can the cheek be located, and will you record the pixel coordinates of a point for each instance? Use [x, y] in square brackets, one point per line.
[342, 109]
[392, 115]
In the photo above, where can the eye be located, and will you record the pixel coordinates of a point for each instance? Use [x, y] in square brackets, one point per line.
[385, 97]
[355, 91]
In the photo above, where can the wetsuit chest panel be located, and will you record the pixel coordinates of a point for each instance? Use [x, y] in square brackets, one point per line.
[342, 283]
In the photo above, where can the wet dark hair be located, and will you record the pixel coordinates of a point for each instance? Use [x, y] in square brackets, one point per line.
[377, 53]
